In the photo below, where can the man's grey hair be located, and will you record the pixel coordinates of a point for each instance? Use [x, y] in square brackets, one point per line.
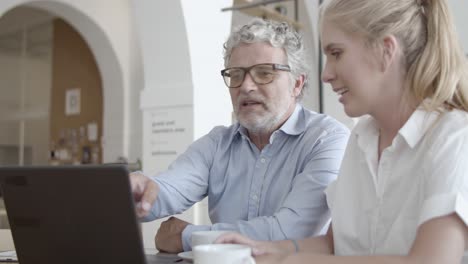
[277, 34]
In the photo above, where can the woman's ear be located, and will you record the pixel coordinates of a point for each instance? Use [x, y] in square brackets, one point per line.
[389, 51]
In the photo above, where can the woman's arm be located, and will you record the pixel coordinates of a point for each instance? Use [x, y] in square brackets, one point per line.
[439, 240]
[318, 245]
[281, 249]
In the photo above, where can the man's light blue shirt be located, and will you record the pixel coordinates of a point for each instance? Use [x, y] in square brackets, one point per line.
[273, 194]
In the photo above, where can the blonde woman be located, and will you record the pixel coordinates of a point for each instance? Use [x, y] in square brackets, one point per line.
[402, 192]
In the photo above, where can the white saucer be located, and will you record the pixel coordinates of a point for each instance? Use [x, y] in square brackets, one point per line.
[188, 255]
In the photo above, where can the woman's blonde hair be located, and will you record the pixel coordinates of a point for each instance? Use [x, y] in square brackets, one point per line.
[434, 61]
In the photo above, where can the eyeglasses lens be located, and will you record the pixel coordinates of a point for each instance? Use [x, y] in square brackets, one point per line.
[261, 74]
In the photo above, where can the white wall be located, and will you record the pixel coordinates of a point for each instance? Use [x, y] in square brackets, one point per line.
[460, 8]
[181, 45]
[207, 29]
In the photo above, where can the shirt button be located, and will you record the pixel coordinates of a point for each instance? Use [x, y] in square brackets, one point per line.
[255, 197]
[262, 160]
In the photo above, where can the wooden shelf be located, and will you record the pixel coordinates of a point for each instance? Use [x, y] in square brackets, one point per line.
[265, 12]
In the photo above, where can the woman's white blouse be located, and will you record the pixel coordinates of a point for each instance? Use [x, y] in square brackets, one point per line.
[377, 207]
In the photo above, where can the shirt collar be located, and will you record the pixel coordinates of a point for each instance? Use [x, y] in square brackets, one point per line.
[417, 125]
[412, 131]
[294, 125]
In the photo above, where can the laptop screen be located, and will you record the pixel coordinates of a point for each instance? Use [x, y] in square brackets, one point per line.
[72, 214]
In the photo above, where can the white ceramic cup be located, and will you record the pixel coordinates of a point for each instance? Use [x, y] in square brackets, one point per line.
[205, 237]
[222, 253]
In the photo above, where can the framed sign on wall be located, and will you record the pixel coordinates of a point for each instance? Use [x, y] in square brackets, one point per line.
[73, 101]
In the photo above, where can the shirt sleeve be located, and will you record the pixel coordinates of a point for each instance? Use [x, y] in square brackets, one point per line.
[446, 187]
[304, 211]
[186, 180]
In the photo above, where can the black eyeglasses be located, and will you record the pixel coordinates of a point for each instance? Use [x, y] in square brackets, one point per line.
[263, 73]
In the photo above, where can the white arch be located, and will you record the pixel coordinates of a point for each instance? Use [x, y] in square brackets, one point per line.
[113, 83]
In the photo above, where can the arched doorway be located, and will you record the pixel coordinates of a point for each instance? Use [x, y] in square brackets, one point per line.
[52, 108]
[116, 62]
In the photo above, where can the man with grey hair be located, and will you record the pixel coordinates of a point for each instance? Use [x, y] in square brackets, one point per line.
[265, 175]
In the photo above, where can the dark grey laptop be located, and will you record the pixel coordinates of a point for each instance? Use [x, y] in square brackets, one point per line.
[72, 214]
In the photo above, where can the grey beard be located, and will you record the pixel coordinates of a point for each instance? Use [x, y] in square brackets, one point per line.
[263, 126]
